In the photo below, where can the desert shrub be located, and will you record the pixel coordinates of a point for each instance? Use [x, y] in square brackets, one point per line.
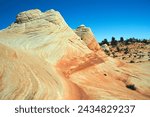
[131, 86]
[121, 39]
[145, 41]
[132, 61]
[105, 74]
[113, 41]
[118, 49]
[105, 42]
[126, 50]
[123, 58]
[107, 52]
[114, 56]
[130, 55]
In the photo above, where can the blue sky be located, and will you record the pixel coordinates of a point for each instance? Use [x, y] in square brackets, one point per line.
[107, 18]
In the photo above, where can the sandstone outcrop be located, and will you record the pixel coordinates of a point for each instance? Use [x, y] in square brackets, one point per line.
[45, 34]
[87, 36]
[41, 57]
[23, 76]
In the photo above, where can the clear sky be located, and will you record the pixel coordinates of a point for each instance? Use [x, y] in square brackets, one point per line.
[106, 18]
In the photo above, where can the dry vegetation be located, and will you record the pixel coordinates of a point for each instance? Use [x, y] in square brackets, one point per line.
[130, 51]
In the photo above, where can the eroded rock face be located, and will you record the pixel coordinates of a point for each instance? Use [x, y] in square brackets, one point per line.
[41, 57]
[37, 21]
[45, 34]
[87, 36]
[30, 15]
[35, 14]
[23, 76]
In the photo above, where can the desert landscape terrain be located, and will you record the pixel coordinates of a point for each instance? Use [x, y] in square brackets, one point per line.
[42, 58]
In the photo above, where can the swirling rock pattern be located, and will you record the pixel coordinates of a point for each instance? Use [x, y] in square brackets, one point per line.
[41, 57]
[26, 77]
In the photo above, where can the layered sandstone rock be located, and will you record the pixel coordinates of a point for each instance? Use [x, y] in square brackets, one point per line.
[23, 76]
[45, 34]
[87, 36]
[43, 58]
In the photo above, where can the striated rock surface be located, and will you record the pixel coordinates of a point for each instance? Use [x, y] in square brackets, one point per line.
[23, 76]
[41, 57]
[87, 36]
[44, 34]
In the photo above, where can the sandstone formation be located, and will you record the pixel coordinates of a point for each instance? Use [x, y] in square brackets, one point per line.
[41, 57]
[49, 36]
[87, 36]
[23, 76]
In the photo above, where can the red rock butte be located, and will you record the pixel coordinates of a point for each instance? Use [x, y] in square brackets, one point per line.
[42, 58]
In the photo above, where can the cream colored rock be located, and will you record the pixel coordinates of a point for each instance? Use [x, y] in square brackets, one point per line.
[45, 34]
[37, 21]
[105, 47]
[87, 36]
[30, 15]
